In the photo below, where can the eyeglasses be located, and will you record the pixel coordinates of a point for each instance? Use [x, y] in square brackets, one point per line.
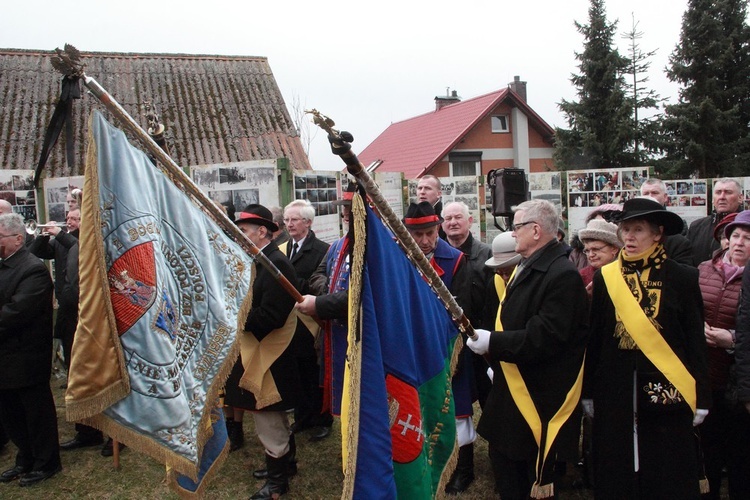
[7, 235]
[518, 226]
[592, 250]
[293, 220]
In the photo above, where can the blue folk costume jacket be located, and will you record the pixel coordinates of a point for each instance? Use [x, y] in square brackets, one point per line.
[450, 265]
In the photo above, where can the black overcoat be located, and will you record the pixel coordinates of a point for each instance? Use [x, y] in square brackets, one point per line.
[544, 321]
[669, 464]
[25, 321]
[271, 306]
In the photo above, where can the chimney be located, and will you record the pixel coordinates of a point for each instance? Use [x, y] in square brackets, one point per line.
[518, 87]
[448, 98]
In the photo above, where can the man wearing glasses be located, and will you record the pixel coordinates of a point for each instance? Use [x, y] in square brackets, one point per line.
[531, 417]
[27, 409]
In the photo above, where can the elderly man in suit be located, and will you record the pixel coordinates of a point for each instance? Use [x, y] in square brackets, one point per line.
[27, 408]
[531, 415]
[306, 252]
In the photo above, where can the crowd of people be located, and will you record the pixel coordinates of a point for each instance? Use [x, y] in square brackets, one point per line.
[627, 352]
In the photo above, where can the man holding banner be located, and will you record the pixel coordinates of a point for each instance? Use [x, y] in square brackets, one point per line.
[531, 416]
[266, 377]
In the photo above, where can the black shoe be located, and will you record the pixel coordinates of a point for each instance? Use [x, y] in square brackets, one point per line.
[277, 482]
[36, 476]
[236, 436]
[320, 433]
[109, 449]
[291, 468]
[463, 476]
[12, 474]
[78, 442]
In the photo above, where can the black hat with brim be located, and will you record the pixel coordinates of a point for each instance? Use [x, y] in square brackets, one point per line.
[256, 214]
[648, 209]
[347, 195]
[421, 216]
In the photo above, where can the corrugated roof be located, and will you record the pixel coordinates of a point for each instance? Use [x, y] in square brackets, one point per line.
[216, 109]
[415, 145]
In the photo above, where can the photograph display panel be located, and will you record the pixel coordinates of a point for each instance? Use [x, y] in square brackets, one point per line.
[17, 188]
[321, 189]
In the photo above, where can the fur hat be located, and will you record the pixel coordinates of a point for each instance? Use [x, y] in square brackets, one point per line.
[650, 210]
[719, 229]
[257, 214]
[421, 216]
[503, 252]
[600, 230]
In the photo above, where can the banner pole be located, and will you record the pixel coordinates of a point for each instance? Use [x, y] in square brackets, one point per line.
[341, 147]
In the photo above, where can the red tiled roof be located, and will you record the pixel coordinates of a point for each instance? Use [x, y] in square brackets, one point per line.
[415, 145]
[216, 109]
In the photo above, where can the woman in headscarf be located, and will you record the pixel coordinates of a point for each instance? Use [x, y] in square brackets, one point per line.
[721, 282]
[646, 379]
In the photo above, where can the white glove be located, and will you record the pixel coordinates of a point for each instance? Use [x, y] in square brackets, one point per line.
[700, 415]
[482, 344]
[491, 374]
[588, 407]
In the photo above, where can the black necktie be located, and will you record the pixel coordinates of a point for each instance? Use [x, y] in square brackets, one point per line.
[294, 251]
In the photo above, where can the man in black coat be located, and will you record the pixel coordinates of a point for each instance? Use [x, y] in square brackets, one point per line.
[271, 317]
[727, 195]
[27, 408]
[541, 348]
[306, 252]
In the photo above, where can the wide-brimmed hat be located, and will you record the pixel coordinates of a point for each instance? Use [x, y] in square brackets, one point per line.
[257, 214]
[503, 252]
[741, 219]
[723, 223]
[421, 216]
[600, 230]
[347, 195]
[648, 209]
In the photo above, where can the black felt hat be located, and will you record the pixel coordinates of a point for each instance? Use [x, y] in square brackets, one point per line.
[347, 195]
[421, 216]
[649, 209]
[256, 214]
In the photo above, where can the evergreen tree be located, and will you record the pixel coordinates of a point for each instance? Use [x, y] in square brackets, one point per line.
[707, 131]
[640, 99]
[600, 133]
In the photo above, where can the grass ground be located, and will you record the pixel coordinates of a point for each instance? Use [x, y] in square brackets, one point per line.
[88, 475]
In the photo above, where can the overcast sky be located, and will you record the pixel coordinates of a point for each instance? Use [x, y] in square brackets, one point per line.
[366, 65]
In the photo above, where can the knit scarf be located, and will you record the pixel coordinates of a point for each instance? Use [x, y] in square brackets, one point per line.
[643, 274]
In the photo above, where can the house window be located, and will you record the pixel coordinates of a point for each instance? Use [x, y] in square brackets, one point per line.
[500, 124]
[465, 164]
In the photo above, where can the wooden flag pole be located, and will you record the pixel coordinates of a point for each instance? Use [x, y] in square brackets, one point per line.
[341, 147]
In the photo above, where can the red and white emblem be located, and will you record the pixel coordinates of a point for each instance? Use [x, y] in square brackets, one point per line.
[407, 436]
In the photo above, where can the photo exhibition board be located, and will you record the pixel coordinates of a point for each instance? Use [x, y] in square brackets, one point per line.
[56, 190]
[17, 188]
[236, 185]
[321, 188]
[465, 189]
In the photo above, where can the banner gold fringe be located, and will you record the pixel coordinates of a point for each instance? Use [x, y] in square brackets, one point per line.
[354, 354]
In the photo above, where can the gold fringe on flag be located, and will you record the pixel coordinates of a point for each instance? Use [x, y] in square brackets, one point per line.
[354, 353]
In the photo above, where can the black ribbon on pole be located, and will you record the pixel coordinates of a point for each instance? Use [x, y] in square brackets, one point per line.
[71, 89]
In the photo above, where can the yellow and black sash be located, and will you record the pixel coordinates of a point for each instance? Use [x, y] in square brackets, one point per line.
[645, 335]
[524, 402]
